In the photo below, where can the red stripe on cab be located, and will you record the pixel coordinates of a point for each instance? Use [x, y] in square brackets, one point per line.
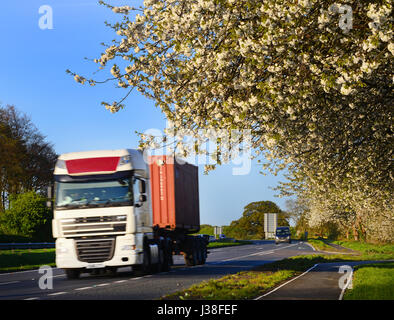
[92, 165]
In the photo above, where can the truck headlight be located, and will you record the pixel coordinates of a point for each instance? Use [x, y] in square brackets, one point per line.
[61, 164]
[128, 247]
[60, 249]
[124, 160]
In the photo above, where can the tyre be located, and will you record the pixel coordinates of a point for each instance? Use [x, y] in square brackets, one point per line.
[198, 253]
[112, 271]
[204, 254]
[146, 266]
[191, 258]
[72, 274]
[156, 268]
[167, 261]
[199, 256]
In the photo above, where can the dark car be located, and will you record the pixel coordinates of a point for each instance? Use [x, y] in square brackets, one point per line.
[206, 237]
[282, 234]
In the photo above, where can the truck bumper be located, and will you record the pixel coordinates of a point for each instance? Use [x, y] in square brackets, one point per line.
[280, 240]
[123, 254]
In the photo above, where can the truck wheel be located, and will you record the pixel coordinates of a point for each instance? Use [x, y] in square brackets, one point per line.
[200, 253]
[112, 271]
[146, 266]
[166, 264]
[191, 258]
[203, 253]
[72, 273]
[156, 268]
[167, 261]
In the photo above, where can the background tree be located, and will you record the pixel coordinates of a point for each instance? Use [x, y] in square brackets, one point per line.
[26, 159]
[27, 216]
[251, 224]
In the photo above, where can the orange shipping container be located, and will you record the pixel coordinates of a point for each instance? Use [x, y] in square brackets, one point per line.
[174, 192]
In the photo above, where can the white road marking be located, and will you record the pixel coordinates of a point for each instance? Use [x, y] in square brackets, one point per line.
[260, 253]
[18, 272]
[264, 253]
[258, 298]
[8, 282]
[308, 244]
[57, 293]
[103, 284]
[84, 288]
[34, 298]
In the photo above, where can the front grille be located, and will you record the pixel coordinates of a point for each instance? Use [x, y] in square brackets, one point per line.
[95, 250]
[94, 226]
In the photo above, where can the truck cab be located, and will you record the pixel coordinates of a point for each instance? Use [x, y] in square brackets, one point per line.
[101, 209]
[103, 216]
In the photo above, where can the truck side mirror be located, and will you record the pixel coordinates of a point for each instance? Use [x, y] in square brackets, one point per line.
[141, 186]
[50, 191]
[50, 194]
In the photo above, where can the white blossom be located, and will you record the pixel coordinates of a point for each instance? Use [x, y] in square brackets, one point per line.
[313, 97]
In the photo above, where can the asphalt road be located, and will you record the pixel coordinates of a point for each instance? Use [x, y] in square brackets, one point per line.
[125, 285]
[325, 281]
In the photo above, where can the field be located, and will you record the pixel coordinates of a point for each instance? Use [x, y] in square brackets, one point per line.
[228, 243]
[17, 260]
[372, 282]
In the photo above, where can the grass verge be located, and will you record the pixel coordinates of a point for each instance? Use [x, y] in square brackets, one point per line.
[250, 284]
[228, 243]
[319, 244]
[17, 260]
[372, 282]
[369, 251]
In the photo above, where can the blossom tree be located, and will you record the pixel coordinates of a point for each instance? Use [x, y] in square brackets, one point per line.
[312, 81]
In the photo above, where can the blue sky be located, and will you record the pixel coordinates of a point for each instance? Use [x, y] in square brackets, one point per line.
[33, 78]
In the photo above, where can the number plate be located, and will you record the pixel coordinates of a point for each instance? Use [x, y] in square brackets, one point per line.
[95, 265]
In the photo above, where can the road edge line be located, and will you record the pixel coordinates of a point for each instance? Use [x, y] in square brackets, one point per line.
[308, 244]
[283, 284]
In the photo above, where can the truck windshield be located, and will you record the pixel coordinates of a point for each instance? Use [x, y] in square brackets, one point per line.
[282, 232]
[93, 194]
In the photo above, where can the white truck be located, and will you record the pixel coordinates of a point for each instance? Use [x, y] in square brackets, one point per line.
[113, 208]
